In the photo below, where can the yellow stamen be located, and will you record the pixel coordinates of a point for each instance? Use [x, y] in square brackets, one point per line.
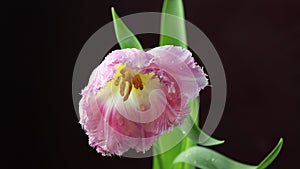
[126, 78]
[137, 82]
[117, 81]
[122, 88]
[128, 91]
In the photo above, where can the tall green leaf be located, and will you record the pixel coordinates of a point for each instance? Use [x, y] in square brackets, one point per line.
[205, 158]
[124, 36]
[173, 25]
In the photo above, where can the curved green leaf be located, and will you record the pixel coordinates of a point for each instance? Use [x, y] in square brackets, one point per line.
[271, 157]
[171, 26]
[124, 36]
[205, 158]
[195, 133]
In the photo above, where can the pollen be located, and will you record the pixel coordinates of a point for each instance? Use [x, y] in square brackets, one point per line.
[137, 82]
[125, 79]
[128, 92]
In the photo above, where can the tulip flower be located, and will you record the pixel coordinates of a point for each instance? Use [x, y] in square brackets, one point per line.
[134, 96]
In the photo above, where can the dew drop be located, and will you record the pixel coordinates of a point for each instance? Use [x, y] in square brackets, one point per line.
[195, 162]
[183, 132]
[213, 159]
[121, 122]
[104, 147]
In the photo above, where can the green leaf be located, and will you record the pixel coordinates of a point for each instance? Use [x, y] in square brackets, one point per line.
[195, 133]
[271, 157]
[124, 36]
[171, 25]
[205, 158]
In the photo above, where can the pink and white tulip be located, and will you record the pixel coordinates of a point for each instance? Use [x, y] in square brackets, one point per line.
[134, 96]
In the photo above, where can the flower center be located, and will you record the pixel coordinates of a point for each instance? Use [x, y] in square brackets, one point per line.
[137, 96]
[125, 79]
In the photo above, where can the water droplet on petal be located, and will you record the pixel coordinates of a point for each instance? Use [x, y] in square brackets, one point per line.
[121, 122]
[104, 147]
[172, 62]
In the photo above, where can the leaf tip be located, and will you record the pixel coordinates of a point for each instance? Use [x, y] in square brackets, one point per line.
[112, 8]
[113, 12]
[280, 143]
[215, 143]
[221, 142]
[281, 140]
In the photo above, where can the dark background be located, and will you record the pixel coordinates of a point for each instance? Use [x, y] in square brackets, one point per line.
[257, 40]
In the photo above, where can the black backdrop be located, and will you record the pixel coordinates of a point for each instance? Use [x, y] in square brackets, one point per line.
[257, 40]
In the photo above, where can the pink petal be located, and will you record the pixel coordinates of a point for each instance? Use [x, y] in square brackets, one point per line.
[180, 64]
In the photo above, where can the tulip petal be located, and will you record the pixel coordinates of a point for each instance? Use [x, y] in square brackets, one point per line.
[182, 67]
